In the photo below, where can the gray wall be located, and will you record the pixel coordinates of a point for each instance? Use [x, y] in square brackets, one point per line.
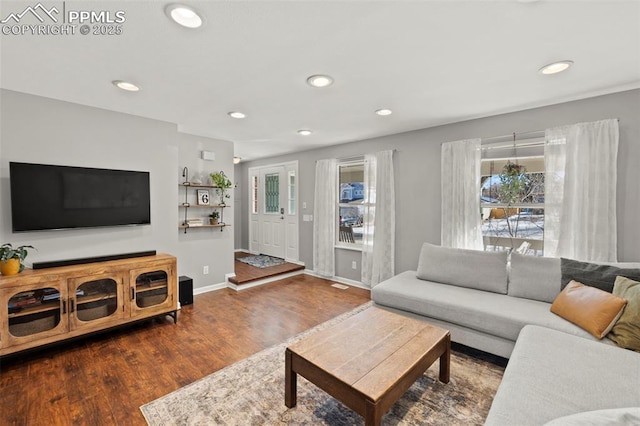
[41, 130]
[417, 167]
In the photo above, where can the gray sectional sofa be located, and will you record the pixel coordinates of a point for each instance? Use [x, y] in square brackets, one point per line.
[494, 305]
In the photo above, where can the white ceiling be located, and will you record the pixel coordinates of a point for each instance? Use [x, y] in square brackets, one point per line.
[431, 62]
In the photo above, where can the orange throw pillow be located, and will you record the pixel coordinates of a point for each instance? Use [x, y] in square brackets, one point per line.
[589, 308]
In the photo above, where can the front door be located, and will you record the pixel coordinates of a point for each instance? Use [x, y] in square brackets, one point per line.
[273, 220]
[273, 188]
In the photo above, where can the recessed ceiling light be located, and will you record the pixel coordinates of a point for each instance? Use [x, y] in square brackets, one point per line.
[183, 15]
[237, 160]
[320, 80]
[125, 85]
[384, 111]
[555, 67]
[304, 132]
[236, 114]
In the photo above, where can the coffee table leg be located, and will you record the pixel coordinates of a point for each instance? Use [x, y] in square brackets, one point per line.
[445, 361]
[290, 382]
[373, 414]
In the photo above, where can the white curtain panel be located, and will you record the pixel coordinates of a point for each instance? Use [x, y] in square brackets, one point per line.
[378, 237]
[324, 220]
[555, 158]
[461, 220]
[580, 193]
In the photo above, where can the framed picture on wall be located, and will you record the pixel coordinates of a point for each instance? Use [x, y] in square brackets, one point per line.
[203, 197]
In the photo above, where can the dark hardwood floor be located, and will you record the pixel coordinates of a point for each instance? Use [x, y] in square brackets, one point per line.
[104, 379]
[247, 273]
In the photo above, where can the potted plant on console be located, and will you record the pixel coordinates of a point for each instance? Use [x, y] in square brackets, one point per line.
[222, 184]
[11, 258]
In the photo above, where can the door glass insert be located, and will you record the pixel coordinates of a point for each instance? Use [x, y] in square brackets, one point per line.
[35, 311]
[151, 289]
[272, 193]
[96, 299]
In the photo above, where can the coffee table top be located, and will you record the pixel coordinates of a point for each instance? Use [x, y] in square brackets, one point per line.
[371, 350]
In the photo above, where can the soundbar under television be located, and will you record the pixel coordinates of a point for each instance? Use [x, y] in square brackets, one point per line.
[45, 197]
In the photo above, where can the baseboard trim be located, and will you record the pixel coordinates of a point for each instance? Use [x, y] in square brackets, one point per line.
[208, 288]
[341, 280]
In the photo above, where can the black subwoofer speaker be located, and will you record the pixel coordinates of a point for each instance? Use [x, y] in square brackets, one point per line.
[185, 292]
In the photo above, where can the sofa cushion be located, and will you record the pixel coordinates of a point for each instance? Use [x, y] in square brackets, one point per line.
[552, 374]
[611, 417]
[481, 270]
[590, 308]
[534, 277]
[601, 276]
[626, 331]
[495, 314]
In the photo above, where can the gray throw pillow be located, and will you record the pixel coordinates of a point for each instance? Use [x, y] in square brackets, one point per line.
[534, 277]
[477, 269]
[593, 274]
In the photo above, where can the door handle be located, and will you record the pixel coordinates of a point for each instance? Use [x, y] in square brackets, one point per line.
[72, 307]
[64, 306]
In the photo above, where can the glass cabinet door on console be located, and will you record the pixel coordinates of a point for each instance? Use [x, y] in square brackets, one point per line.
[95, 300]
[33, 312]
[150, 290]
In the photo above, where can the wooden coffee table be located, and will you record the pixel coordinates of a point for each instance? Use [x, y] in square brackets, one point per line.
[367, 361]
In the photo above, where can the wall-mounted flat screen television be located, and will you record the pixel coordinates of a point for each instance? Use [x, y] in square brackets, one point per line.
[45, 197]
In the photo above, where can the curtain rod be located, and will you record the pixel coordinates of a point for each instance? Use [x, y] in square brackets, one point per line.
[515, 135]
[356, 157]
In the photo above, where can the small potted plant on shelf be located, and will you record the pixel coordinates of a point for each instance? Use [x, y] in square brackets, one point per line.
[222, 184]
[11, 258]
[213, 218]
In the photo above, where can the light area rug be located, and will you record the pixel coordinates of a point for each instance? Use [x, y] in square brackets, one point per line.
[251, 392]
[261, 261]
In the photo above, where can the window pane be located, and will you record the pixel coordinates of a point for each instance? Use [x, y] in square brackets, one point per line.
[272, 193]
[292, 192]
[351, 223]
[523, 188]
[254, 194]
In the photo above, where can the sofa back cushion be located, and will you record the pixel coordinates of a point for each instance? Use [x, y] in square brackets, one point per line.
[533, 277]
[598, 275]
[481, 270]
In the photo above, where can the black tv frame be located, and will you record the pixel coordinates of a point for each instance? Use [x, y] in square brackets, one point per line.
[47, 197]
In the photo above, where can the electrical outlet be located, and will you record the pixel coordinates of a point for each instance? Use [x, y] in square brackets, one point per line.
[304, 205]
[205, 269]
[354, 264]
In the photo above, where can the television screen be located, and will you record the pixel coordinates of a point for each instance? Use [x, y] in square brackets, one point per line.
[47, 196]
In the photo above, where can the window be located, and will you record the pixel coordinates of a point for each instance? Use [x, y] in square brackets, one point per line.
[512, 202]
[350, 203]
[254, 194]
[292, 192]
